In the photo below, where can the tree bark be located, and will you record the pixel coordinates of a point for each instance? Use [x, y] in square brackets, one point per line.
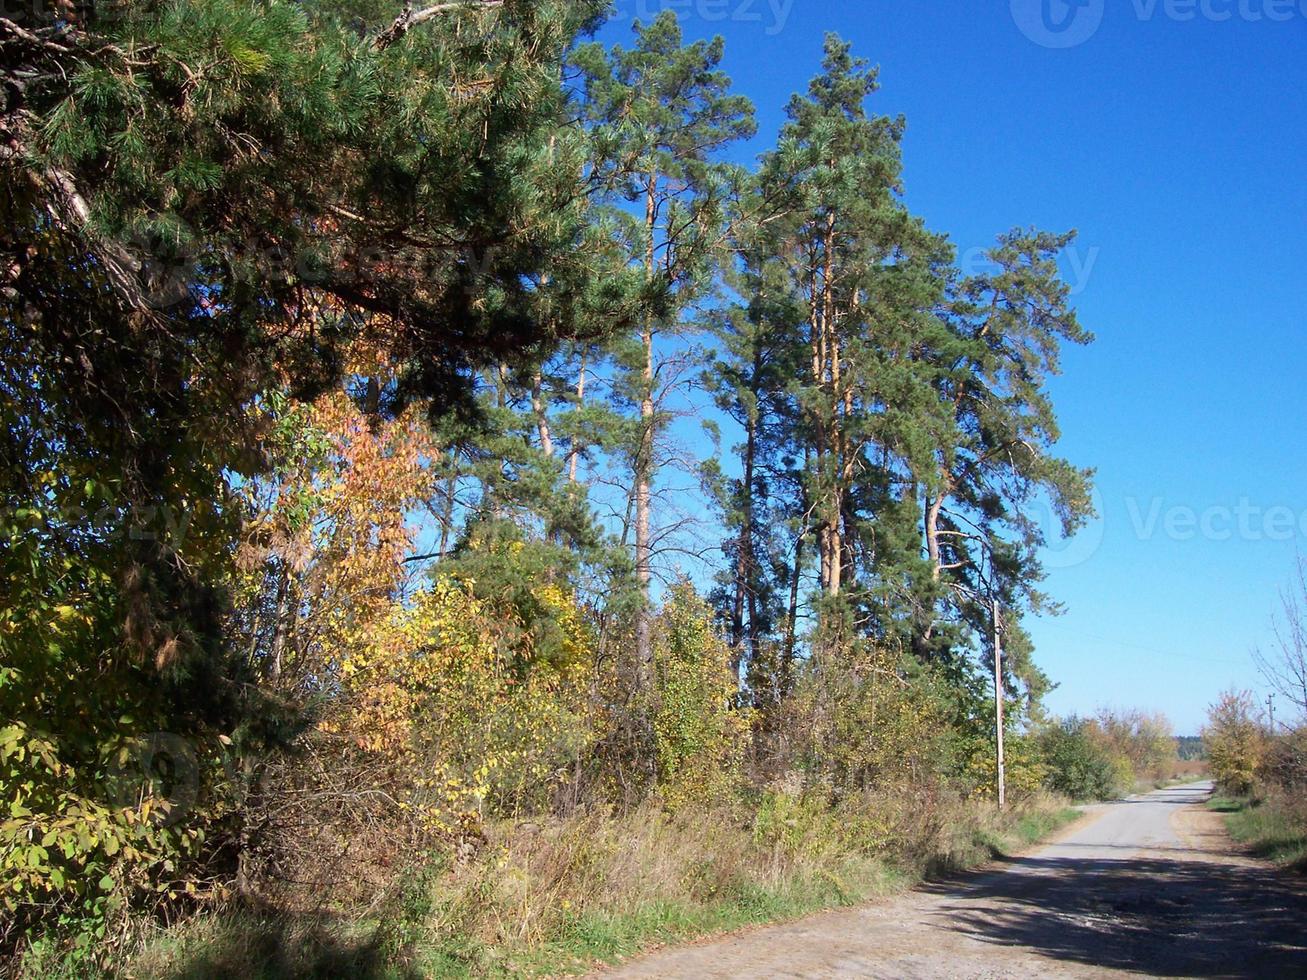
[933, 509]
[831, 349]
[447, 517]
[281, 624]
[574, 454]
[792, 619]
[644, 459]
[817, 463]
[796, 574]
[411, 18]
[542, 418]
[745, 572]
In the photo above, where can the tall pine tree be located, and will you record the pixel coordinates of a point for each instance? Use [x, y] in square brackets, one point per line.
[659, 112]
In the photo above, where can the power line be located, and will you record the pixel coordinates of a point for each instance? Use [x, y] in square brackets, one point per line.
[1137, 646]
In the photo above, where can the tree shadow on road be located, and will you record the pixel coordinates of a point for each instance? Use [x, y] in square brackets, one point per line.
[1149, 914]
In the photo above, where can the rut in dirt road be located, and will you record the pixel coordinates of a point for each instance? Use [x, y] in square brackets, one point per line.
[1142, 888]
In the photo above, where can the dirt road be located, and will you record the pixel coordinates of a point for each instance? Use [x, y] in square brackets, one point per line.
[1147, 885]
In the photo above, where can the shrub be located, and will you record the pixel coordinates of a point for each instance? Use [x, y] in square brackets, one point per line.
[441, 722]
[1235, 743]
[1078, 766]
[1142, 743]
[1284, 764]
[866, 722]
[699, 734]
[1024, 770]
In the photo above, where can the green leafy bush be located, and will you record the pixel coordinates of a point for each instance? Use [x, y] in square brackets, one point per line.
[1078, 765]
[699, 733]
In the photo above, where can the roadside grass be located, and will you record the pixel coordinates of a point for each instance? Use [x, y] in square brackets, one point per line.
[1227, 804]
[1003, 838]
[455, 941]
[1036, 825]
[240, 945]
[596, 889]
[604, 938]
[1271, 828]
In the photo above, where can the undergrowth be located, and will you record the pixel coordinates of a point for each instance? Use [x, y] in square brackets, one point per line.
[560, 899]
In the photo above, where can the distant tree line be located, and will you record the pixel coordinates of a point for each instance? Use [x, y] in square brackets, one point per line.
[1190, 747]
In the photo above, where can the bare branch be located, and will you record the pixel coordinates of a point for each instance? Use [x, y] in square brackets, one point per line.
[1285, 668]
[410, 18]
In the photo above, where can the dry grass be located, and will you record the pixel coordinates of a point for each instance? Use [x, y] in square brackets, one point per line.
[557, 897]
[1274, 825]
[1189, 769]
[594, 886]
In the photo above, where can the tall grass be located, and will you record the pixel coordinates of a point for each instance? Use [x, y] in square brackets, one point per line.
[558, 898]
[1274, 827]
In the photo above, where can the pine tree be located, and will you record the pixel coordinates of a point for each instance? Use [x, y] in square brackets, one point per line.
[920, 412]
[866, 274]
[207, 203]
[996, 458]
[750, 379]
[658, 113]
[208, 198]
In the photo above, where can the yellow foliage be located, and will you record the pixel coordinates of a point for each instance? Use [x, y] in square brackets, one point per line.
[1023, 771]
[699, 733]
[434, 693]
[870, 726]
[330, 533]
[1235, 742]
[434, 700]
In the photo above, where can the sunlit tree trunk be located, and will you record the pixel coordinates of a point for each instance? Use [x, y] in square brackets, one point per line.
[644, 459]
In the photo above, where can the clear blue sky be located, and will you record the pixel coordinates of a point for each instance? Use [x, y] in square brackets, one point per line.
[1177, 147]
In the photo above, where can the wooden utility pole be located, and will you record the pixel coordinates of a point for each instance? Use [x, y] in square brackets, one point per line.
[1270, 710]
[998, 701]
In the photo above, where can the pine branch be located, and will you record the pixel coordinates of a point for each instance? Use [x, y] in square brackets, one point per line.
[43, 40]
[120, 266]
[410, 18]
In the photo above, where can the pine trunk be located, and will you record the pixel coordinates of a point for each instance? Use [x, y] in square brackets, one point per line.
[542, 417]
[745, 587]
[574, 453]
[933, 509]
[644, 462]
[830, 382]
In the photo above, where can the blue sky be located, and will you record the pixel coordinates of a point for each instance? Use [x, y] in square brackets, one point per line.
[1174, 137]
